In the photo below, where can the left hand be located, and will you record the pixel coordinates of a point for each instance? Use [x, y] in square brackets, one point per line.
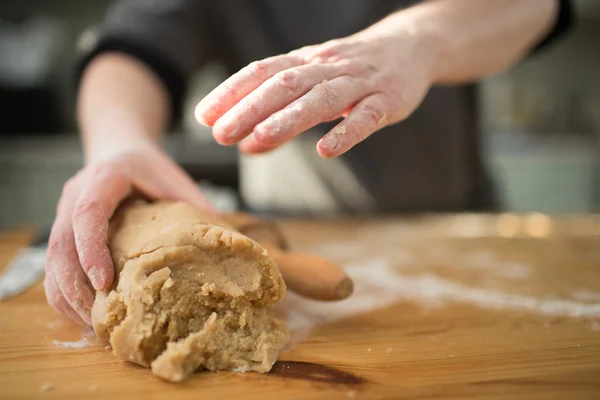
[372, 79]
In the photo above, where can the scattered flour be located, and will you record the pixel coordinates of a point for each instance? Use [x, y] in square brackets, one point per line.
[46, 387]
[586, 295]
[513, 270]
[80, 344]
[241, 369]
[377, 285]
[339, 250]
[54, 324]
[486, 259]
[88, 338]
[482, 259]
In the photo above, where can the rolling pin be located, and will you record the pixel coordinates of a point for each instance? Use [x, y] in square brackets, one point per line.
[307, 275]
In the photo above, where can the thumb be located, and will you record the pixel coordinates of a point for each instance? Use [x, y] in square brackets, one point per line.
[187, 190]
[176, 184]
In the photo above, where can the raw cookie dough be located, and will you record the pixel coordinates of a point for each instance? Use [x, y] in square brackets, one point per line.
[190, 292]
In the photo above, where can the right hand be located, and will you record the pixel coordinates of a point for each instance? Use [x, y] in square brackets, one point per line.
[77, 247]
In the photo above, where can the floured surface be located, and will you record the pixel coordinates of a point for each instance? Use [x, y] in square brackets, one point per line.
[378, 285]
[191, 294]
[430, 271]
[439, 312]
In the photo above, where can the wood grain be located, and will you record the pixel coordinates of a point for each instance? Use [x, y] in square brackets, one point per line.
[416, 346]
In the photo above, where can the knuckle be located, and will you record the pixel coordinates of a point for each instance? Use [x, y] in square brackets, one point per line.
[258, 67]
[330, 97]
[86, 206]
[397, 93]
[262, 136]
[230, 91]
[330, 48]
[54, 246]
[69, 190]
[57, 241]
[69, 185]
[301, 51]
[330, 54]
[252, 109]
[103, 168]
[398, 104]
[332, 44]
[289, 80]
[298, 109]
[363, 68]
[372, 113]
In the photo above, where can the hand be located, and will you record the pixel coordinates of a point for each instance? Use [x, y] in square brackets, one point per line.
[373, 79]
[77, 249]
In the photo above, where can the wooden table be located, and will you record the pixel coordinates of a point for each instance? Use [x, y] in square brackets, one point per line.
[447, 307]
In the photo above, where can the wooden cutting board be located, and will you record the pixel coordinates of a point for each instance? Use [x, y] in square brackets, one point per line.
[445, 307]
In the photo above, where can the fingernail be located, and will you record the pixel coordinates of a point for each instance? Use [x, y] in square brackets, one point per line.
[96, 277]
[199, 112]
[324, 149]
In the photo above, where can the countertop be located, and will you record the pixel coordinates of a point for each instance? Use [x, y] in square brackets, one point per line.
[456, 306]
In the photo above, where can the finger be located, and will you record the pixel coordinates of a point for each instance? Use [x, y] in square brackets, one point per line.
[57, 300]
[62, 262]
[69, 277]
[99, 198]
[179, 186]
[324, 102]
[189, 192]
[228, 93]
[369, 115]
[251, 146]
[270, 97]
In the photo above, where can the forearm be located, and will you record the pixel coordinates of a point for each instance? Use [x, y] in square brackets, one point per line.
[121, 105]
[470, 39]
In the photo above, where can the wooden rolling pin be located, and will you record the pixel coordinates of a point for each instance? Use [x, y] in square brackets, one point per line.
[306, 275]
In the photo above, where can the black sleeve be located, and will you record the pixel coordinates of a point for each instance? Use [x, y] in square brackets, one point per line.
[170, 37]
[564, 22]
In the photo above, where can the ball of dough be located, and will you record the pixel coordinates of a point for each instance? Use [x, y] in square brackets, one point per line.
[190, 292]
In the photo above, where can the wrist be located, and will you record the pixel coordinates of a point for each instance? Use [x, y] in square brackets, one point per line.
[415, 31]
[116, 132]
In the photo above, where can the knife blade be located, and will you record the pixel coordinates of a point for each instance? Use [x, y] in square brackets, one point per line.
[26, 269]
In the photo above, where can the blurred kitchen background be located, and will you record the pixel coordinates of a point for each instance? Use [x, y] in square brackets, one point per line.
[541, 121]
